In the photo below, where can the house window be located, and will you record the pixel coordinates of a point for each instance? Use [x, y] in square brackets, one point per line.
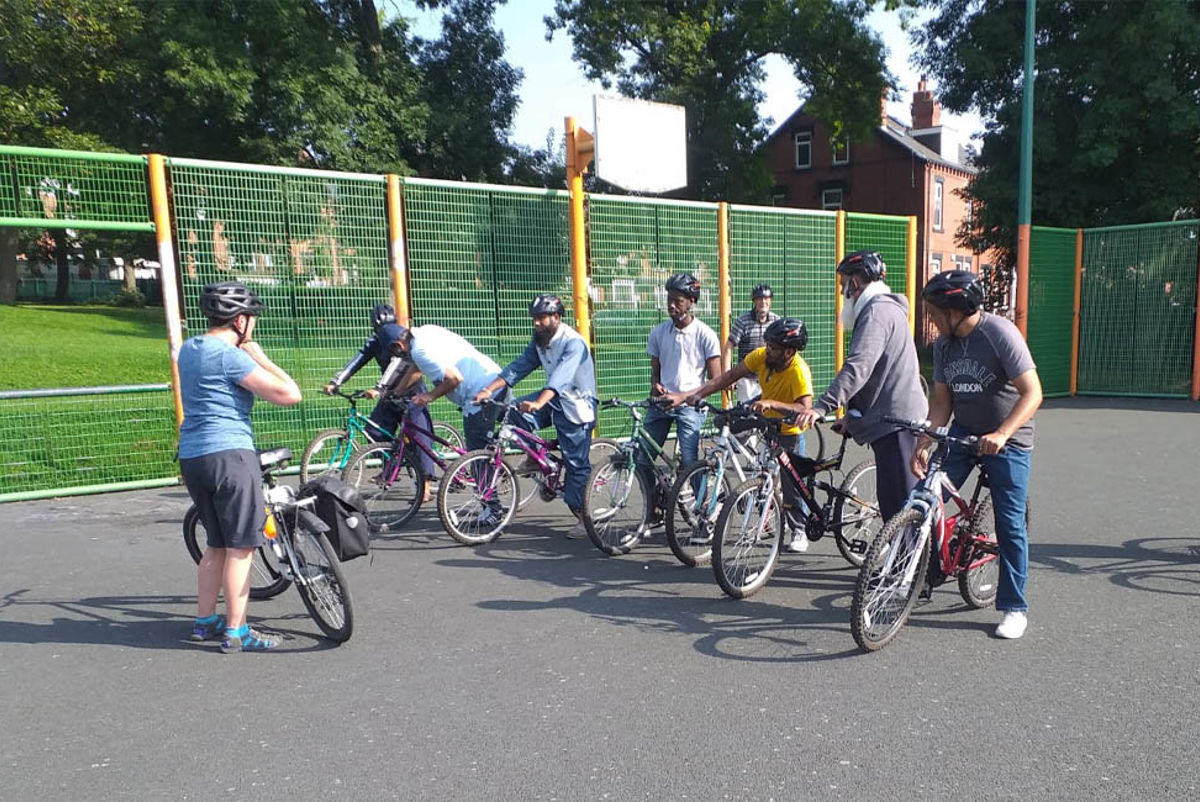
[963, 262]
[935, 264]
[938, 191]
[803, 150]
[841, 151]
[831, 199]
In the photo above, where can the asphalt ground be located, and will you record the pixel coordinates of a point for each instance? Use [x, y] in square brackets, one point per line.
[536, 668]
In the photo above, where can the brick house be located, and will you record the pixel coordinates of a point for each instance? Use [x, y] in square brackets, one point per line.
[900, 170]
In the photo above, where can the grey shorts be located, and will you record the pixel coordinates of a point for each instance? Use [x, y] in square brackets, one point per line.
[227, 489]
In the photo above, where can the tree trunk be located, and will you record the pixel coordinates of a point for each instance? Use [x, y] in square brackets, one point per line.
[128, 275]
[8, 265]
[62, 291]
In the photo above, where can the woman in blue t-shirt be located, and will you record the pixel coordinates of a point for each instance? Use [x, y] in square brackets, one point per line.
[220, 373]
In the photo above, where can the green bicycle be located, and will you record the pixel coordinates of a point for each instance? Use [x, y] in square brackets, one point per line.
[331, 450]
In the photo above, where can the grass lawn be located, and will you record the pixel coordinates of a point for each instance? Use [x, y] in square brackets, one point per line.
[76, 346]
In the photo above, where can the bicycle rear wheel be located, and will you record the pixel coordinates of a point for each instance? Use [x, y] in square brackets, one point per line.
[616, 505]
[451, 435]
[692, 509]
[322, 584]
[476, 498]
[891, 574]
[747, 539]
[330, 451]
[978, 584]
[856, 516]
[266, 577]
[392, 493]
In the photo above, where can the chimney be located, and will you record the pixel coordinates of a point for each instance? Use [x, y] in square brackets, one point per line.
[883, 115]
[926, 112]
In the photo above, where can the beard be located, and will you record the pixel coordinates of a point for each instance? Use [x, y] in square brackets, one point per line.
[848, 309]
[780, 364]
[544, 336]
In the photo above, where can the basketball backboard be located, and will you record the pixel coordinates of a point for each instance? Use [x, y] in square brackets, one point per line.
[639, 145]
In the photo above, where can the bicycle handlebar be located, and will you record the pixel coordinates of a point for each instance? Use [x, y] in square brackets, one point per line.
[646, 403]
[926, 428]
[356, 395]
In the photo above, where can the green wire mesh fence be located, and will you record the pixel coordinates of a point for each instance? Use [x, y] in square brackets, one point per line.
[1052, 305]
[793, 251]
[313, 245]
[883, 233]
[73, 189]
[636, 244]
[477, 255]
[1137, 312]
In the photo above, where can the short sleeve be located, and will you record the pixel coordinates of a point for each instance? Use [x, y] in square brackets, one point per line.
[712, 344]
[735, 330]
[652, 345]
[939, 361]
[237, 364]
[756, 359]
[426, 363]
[1012, 350]
[806, 385]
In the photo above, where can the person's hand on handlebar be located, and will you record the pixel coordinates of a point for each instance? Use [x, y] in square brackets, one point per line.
[657, 389]
[329, 389]
[422, 399]
[677, 399]
[920, 460]
[804, 419]
[991, 443]
[371, 393]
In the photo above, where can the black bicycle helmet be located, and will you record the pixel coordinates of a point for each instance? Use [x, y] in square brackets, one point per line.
[685, 284]
[789, 332]
[381, 315]
[223, 301]
[546, 305]
[761, 291]
[866, 263]
[955, 289]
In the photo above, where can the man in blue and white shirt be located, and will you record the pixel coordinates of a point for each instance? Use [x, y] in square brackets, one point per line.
[567, 399]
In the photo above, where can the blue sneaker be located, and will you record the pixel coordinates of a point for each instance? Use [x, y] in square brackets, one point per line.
[211, 630]
[248, 641]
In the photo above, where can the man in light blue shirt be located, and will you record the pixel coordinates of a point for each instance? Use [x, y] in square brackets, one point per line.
[567, 399]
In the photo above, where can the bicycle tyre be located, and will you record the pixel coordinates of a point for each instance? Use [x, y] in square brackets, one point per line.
[460, 507]
[452, 436]
[389, 507]
[334, 461]
[325, 594]
[730, 548]
[864, 522]
[978, 585]
[870, 588]
[608, 527]
[266, 580]
[691, 513]
[814, 437]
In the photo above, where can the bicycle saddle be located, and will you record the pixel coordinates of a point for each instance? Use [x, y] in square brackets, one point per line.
[274, 456]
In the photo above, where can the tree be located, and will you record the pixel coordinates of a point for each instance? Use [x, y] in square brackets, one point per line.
[707, 55]
[1116, 109]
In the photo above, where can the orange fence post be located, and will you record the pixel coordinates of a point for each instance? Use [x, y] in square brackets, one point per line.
[910, 273]
[397, 256]
[839, 253]
[166, 260]
[1075, 315]
[724, 302]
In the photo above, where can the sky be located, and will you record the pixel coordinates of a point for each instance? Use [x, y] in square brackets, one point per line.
[554, 85]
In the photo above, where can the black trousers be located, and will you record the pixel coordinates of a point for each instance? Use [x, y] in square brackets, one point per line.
[893, 477]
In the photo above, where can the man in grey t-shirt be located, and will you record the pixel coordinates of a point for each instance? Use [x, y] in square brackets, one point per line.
[984, 375]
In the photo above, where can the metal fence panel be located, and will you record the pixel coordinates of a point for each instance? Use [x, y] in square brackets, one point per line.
[1052, 305]
[46, 188]
[886, 234]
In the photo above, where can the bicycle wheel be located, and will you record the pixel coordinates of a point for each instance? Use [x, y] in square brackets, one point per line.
[266, 578]
[746, 540]
[392, 493]
[616, 505]
[692, 509]
[891, 574]
[451, 435]
[476, 498]
[330, 451]
[856, 516]
[323, 587]
[978, 585]
[814, 442]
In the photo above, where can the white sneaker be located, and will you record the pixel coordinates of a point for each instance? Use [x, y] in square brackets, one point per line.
[799, 544]
[1012, 625]
[578, 531]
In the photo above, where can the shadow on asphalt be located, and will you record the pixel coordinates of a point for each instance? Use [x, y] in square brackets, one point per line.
[1168, 565]
[1126, 404]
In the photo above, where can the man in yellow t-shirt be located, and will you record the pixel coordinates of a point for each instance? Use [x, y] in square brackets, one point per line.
[786, 384]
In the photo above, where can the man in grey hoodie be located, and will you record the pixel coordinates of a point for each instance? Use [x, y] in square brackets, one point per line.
[880, 376]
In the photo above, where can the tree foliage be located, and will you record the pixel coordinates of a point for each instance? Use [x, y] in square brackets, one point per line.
[707, 55]
[1116, 109]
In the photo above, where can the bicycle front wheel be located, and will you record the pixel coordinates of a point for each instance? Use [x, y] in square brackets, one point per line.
[477, 497]
[451, 435]
[392, 493]
[891, 574]
[616, 505]
[330, 451]
[747, 539]
[692, 509]
[856, 516]
[266, 577]
[322, 584]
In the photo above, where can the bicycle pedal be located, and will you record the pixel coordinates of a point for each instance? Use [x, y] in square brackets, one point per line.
[988, 547]
[858, 546]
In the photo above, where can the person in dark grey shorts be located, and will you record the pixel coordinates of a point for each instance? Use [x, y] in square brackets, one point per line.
[220, 373]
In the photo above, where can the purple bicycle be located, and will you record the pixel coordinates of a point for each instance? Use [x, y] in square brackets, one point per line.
[478, 497]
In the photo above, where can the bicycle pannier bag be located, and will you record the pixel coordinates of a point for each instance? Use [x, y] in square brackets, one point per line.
[341, 507]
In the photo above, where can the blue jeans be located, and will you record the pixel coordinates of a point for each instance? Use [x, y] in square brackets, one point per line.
[1008, 478]
[688, 421]
[574, 443]
[387, 415]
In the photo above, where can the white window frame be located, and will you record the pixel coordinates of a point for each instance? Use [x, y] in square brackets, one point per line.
[935, 264]
[939, 193]
[825, 203]
[806, 138]
[834, 150]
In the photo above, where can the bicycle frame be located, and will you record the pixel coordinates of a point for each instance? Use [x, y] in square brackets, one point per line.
[930, 496]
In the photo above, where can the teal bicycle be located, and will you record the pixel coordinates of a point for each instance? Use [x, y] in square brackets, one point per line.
[331, 450]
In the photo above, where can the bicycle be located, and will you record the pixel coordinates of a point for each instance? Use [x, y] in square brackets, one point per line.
[390, 477]
[617, 503]
[694, 501]
[296, 552]
[330, 450]
[478, 498]
[899, 559]
[749, 532]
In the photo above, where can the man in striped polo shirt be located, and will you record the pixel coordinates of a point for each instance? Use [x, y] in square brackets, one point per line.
[746, 335]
